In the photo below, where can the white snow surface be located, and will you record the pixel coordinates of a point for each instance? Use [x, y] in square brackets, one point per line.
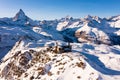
[23, 44]
[86, 61]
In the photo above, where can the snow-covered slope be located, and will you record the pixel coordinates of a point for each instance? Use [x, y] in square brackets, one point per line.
[85, 62]
[92, 34]
[25, 53]
[114, 21]
[20, 19]
[13, 29]
[92, 29]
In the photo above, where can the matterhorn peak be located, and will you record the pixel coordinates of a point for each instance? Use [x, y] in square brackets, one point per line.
[21, 11]
[20, 16]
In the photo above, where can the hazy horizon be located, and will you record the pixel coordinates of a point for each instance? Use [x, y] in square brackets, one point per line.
[56, 9]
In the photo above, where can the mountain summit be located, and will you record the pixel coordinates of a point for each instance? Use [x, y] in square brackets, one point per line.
[20, 16]
[64, 49]
[21, 19]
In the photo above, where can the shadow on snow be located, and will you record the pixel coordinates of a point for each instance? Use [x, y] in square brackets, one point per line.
[98, 65]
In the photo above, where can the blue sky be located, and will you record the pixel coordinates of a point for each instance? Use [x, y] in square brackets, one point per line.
[52, 9]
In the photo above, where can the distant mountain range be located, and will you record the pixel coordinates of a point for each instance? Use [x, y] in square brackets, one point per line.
[91, 37]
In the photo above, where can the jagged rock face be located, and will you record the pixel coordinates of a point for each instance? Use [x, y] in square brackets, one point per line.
[29, 59]
[89, 29]
[33, 64]
[68, 25]
[17, 65]
[20, 16]
[39, 63]
[21, 19]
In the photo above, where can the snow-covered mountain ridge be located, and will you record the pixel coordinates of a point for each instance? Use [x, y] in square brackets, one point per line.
[88, 29]
[85, 62]
[25, 54]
